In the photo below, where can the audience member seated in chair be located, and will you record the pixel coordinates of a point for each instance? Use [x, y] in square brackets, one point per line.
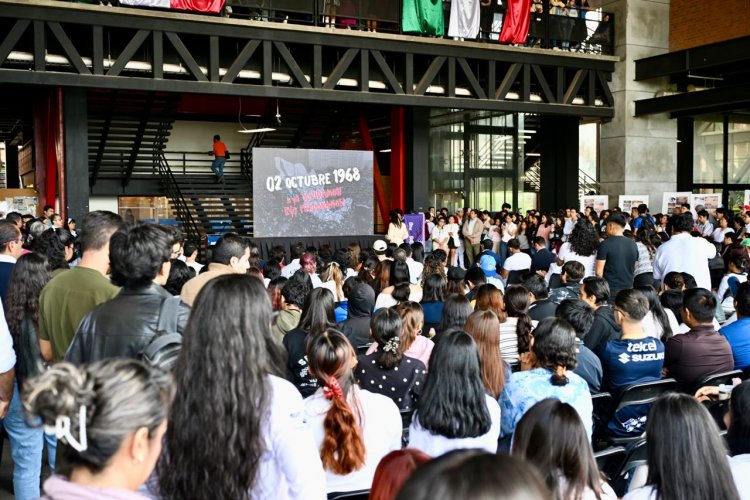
[393, 471]
[702, 351]
[361, 299]
[551, 377]
[595, 292]
[386, 370]
[685, 453]
[541, 306]
[631, 359]
[581, 316]
[455, 411]
[413, 343]
[738, 332]
[552, 437]
[353, 428]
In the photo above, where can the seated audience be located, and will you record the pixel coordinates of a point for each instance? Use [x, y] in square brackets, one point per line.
[116, 412]
[393, 471]
[484, 328]
[595, 292]
[179, 274]
[455, 312]
[516, 261]
[475, 475]
[572, 274]
[581, 316]
[685, 454]
[736, 274]
[454, 410]
[230, 255]
[702, 351]
[233, 416]
[317, 316]
[387, 370]
[543, 258]
[541, 306]
[400, 288]
[274, 294]
[551, 377]
[660, 322]
[433, 298]
[353, 428]
[293, 295]
[738, 332]
[737, 420]
[551, 436]
[515, 331]
[413, 343]
[634, 358]
[361, 300]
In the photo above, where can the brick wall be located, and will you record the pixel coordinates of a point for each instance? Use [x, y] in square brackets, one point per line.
[693, 23]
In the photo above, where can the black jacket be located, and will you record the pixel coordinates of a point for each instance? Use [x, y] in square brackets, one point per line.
[541, 309]
[123, 326]
[603, 330]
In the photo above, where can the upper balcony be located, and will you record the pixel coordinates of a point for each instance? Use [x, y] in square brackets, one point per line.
[283, 49]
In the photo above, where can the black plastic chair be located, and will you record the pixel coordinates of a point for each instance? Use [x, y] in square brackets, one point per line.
[514, 277]
[350, 495]
[635, 457]
[406, 416]
[362, 349]
[717, 407]
[635, 395]
[602, 403]
[724, 378]
[610, 461]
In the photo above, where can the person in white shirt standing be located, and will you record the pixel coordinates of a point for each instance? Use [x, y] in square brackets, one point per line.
[353, 428]
[571, 217]
[685, 254]
[516, 261]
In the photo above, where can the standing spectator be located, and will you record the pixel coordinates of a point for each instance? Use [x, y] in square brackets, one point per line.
[116, 413]
[581, 316]
[702, 351]
[387, 370]
[542, 258]
[595, 292]
[70, 295]
[191, 256]
[737, 333]
[683, 253]
[11, 248]
[632, 359]
[234, 417]
[179, 274]
[220, 157]
[455, 410]
[439, 236]
[353, 428]
[617, 255]
[644, 267]
[572, 274]
[516, 261]
[551, 377]
[686, 455]
[231, 254]
[581, 245]
[509, 230]
[124, 326]
[472, 231]
[397, 232]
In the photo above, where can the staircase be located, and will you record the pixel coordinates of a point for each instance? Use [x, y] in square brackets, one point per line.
[586, 183]
[125, 129]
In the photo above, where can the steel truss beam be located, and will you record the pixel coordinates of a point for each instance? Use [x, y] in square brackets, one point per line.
[53, 43]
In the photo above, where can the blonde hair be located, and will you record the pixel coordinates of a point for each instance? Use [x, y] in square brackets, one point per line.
[332, 272]
[412, 318]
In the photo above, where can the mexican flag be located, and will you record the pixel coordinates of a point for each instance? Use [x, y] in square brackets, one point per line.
[213, 6]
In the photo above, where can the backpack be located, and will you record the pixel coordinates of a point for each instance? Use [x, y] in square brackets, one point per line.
[164, 349]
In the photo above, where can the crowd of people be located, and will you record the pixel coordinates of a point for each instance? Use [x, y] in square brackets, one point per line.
[465, 367]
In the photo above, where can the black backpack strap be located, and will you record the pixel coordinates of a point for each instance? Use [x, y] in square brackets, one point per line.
[168, 316]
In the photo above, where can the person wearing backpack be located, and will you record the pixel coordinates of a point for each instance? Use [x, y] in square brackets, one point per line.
[643, 220]
[143, 315]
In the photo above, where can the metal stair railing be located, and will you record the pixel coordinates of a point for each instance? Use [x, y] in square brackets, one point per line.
[586, 183]
[179, 205]
[246, 155]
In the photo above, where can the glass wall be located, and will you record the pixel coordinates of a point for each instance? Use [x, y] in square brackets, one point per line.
[708, 149]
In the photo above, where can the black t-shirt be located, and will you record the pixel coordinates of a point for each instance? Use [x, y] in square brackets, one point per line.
[542, 260]
[620, 255]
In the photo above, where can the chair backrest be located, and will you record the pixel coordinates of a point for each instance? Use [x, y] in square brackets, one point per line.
[610, 460]
[602, 404]
[362, 349]
[724, 378]
[514, 277]
[644, 393]
[350, 495]
[635, 457]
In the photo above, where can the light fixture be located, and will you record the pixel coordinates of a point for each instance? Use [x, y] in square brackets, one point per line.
[255, 130]
[385, 150]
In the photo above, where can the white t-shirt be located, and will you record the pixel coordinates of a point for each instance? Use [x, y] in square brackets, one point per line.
[510, 230]
[519, 261]
[589, 263]
[436, 445]
[291, 268]
[728, 303]
[381, 432]
[719, 234]
[7, 354]
[387, 300]
[686, 254]
[415, 270]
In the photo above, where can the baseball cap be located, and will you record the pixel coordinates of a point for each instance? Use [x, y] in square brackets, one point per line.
[745, 242]
[488, 265]
[379, 246]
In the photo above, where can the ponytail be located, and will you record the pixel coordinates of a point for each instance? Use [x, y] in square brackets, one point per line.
[523, 332]
[559, 376]
[401, 292]
[343, 448]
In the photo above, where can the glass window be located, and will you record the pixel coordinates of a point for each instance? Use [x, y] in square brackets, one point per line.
[708, 149]
[739, 150]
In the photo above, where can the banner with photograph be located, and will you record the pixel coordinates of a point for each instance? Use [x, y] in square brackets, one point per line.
[312, 192]
[710, 201]
[674, 199]
[415, 226]
[597, 202]
[627, 202]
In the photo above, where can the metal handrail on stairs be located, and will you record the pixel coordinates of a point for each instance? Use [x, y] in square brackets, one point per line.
[246, 155]
[172, 190]
[586, 183]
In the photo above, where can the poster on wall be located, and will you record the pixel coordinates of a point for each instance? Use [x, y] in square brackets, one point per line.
[710, 201]
[312, 192]
[627, 202]
[415, 226]
[674, 199]
[597, 202]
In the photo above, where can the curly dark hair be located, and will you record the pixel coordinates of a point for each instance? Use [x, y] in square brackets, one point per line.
[214, 443]
[30, 274]
[51, 244]
[584, 240]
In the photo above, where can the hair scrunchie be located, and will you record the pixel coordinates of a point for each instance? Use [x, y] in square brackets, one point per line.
[332, 389]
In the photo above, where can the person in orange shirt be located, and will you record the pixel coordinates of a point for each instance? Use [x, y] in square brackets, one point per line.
[220, 156]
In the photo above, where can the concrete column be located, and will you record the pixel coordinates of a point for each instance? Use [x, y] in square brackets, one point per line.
[638, 155]
[559, 160]
[417, 169]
